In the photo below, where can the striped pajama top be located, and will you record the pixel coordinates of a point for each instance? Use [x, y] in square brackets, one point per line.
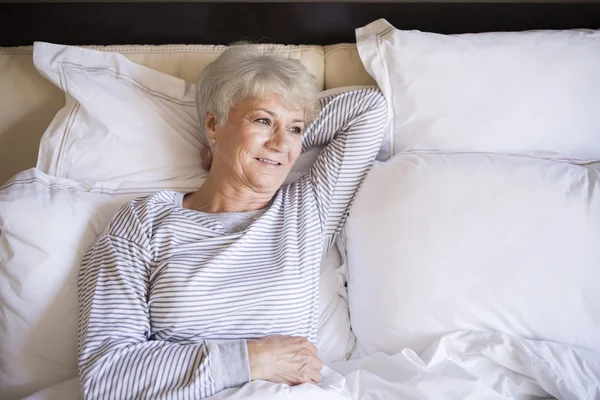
[167, 297]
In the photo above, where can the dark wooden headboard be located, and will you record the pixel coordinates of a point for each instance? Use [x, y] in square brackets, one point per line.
[289, 22]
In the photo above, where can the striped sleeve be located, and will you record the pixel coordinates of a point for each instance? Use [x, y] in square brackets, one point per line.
[118, 358]
[352, 125]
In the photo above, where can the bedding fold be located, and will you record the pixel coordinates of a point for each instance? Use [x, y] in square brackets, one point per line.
[461, 365]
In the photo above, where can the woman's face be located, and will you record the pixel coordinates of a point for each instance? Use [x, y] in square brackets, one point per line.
[259, 143]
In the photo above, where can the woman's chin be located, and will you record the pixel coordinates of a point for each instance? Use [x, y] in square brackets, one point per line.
[268, 182]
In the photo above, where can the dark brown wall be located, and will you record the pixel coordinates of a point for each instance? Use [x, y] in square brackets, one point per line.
[284, 22]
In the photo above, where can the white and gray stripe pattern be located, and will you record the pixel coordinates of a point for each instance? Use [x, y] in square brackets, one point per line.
[167, 297]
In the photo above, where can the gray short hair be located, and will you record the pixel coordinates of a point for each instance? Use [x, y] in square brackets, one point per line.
[244, 71]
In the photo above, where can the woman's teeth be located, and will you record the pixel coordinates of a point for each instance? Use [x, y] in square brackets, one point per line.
[268, 161]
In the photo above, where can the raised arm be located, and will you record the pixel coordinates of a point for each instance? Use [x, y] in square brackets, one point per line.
[118, 358]
[352, 125]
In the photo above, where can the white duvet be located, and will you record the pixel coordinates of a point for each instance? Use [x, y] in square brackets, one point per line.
[459, 366]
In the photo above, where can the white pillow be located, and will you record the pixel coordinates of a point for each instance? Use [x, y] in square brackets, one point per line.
[124, 122]
[532, 92]
[121, 122]
[439, 243]
[46, 225]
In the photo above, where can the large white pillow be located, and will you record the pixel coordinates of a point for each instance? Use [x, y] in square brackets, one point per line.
[124, 122]
[438, 243]
[532, 92]
[121, 121]
[46, 225]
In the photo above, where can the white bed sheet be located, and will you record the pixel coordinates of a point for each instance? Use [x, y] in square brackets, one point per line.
[462, 365]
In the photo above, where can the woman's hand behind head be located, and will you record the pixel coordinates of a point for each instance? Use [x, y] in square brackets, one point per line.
[206, 156]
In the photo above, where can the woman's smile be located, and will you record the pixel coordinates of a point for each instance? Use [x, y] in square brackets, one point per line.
[269, 162]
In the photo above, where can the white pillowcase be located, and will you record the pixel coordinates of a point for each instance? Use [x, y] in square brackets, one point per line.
[532, 92]
[46, 225]
[438, 243]
[121, 122]
[124, 122]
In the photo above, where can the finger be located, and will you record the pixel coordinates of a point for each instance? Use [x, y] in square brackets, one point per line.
[299, 341]
[314, 375]
[206, 164]
[206, 156]
[316, 363]
[204, 152]
[313, 349]
[306, 343]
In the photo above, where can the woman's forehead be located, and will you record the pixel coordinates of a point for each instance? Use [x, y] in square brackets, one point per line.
[272, 104]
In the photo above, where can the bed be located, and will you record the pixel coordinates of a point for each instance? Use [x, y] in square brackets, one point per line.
[470, 263]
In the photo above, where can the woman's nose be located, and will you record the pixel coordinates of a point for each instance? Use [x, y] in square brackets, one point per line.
[279, 141]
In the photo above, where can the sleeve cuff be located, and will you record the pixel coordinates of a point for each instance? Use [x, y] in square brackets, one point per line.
[229, 363]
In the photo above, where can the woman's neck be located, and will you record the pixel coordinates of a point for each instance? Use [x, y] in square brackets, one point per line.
[220, 195]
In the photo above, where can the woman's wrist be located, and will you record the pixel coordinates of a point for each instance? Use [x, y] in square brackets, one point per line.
[253, 357]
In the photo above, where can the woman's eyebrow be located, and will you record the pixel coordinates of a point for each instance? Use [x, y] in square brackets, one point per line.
[272, 113]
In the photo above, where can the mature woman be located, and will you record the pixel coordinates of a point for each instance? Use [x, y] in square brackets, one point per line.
[186, 294]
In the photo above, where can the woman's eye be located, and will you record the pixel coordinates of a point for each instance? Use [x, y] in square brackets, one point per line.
[264, 121]
[297, 130]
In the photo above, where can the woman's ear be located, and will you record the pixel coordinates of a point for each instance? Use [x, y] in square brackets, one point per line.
[210, 127]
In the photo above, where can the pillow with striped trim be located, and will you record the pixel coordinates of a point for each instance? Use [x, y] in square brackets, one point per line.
[122, 122]
[528, 93]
